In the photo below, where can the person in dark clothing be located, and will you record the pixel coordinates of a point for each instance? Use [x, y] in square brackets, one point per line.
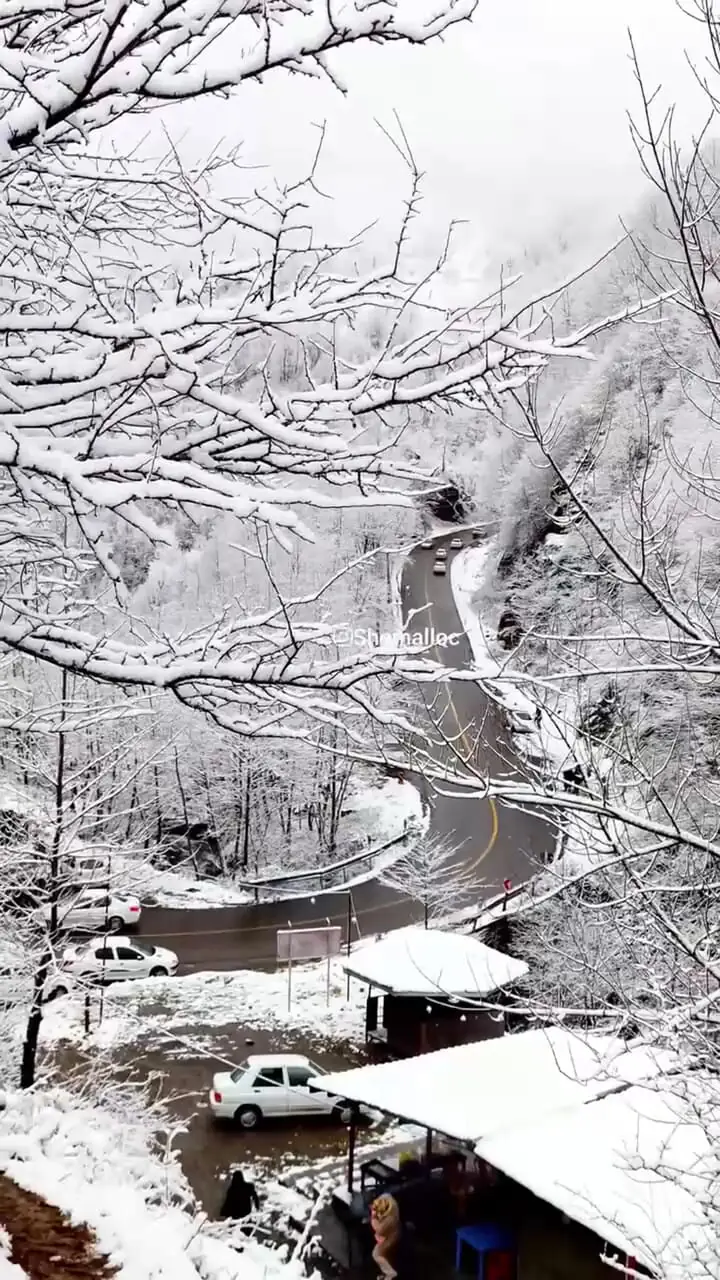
[240, 1198]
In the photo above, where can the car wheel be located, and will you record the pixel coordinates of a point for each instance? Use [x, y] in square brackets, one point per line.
[248, 1117]
[344, 1113]
[115, 924]
[158, 971]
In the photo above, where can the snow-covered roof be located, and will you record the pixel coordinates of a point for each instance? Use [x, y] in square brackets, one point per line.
[634, 1167]
[474, 1090]
[425, 962]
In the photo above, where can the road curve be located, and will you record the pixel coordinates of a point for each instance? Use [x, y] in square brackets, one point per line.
[494, 842]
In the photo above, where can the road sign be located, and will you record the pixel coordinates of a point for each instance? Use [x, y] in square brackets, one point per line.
[309, 944]
[320, 943]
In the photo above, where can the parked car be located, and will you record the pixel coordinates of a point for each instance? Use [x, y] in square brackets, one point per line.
[456, 544]
[117, 959]
[441, 553]
[86, 869]
[273, 1085]
[93, 909]
[439, 566]
[521, 721]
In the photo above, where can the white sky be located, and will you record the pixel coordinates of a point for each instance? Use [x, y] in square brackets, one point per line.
[519, 120]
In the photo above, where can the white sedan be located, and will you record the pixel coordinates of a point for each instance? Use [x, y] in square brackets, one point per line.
[456, 544]
[273, 1085]
[93, 909]
[113, 960]
[439, 567]
[427, 544]
[441, 553]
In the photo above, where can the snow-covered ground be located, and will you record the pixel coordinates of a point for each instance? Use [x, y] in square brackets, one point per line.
[551, 738]
[382, 814]
[548, 740]
[374, 816]
[98, 1168]
[155, 1010]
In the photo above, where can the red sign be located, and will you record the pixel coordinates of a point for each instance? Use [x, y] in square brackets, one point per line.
[507, 885]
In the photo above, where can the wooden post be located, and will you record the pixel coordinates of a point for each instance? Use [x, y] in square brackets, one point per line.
[87, 1013]
[347, 942]
[352, 1139]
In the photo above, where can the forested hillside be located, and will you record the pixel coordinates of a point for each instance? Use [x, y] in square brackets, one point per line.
[602, 489]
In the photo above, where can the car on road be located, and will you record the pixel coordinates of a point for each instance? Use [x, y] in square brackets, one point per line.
[273, 1086]
[441, 553]
[456, 544]
[115, 959]
[439, 566]
[91, 909]
[427, 544]
[477, 535]
[521, 721]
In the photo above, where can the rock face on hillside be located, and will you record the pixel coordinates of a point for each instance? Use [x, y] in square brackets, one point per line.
[43, 1241]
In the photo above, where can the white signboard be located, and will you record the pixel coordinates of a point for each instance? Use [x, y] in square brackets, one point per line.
[309, 944]
[319, 943]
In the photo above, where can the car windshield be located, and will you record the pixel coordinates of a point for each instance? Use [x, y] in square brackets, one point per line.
[146, 948]
[239, 1072]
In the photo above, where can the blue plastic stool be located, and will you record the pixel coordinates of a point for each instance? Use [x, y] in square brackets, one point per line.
[484, 1238]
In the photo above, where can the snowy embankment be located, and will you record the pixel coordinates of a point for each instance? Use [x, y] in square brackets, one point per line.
[382, 814]
[99, 1169]
[544, 735]
[158, 1011]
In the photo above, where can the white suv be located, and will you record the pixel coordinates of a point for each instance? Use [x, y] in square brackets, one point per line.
[273, 1085]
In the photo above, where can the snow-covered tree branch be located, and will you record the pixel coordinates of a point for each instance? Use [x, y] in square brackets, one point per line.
[172, 353]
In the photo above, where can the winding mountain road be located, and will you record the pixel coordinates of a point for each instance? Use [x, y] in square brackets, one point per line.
[494, 842]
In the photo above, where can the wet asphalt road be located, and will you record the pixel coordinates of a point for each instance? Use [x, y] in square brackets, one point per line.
[494, 842]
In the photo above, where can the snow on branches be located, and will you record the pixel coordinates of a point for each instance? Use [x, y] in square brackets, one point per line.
[172, 351]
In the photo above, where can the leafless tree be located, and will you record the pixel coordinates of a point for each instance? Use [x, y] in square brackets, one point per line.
[620, 642]
[432, 874]
[148, 325]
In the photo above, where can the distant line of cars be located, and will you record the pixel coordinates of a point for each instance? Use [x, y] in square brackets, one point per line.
[441, 554]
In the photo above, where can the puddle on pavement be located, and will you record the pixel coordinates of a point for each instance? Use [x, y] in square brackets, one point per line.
[207, 1150]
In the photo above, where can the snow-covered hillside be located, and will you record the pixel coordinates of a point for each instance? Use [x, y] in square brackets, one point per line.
[103, 1169]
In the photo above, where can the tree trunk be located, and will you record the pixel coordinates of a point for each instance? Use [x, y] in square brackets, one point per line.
[246, 818]
[186, 817]
[28, 1066]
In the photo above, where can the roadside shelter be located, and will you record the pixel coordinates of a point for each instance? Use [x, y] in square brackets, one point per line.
[430, 989]
[636, 1167]
[574, 1124]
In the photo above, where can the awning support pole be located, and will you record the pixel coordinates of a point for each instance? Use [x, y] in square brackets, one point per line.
[351, 1150]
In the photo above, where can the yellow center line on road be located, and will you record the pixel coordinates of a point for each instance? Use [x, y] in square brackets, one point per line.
[381, 906]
